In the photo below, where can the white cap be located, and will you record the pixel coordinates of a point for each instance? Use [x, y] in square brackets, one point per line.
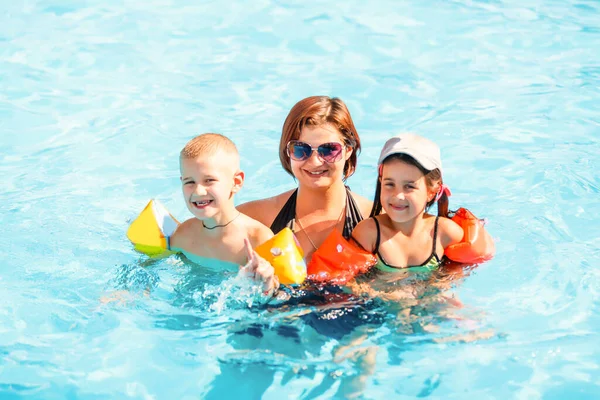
[423, 150]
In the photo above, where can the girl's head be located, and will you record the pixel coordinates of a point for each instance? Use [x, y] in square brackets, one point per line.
[410, 178]
[319, 143]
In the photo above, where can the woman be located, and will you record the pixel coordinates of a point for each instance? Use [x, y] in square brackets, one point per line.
[319, 147]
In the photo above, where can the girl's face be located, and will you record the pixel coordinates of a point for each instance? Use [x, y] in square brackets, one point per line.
[404, 191]
[315, 171]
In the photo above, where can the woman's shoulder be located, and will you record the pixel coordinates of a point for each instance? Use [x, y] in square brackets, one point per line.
[363, 204]
[265, 210]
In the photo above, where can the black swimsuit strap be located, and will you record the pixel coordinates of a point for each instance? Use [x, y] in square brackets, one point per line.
[433, 250]
[378, 238]
[353, 215]
[287, 214]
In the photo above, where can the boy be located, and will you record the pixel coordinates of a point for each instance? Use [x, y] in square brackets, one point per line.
[218, 234]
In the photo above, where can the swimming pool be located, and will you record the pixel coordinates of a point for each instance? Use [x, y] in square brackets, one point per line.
[98, 99]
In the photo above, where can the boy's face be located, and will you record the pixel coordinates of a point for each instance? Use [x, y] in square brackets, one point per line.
[209, 182]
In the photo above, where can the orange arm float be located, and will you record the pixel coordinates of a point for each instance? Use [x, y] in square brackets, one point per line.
[337, 260]
[476, 245]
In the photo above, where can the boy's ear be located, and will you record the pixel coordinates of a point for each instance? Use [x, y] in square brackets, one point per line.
[238, 181]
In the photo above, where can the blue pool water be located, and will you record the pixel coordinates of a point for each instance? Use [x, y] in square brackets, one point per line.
[97, 98]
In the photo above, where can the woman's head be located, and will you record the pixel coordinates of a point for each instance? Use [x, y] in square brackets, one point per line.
[315, 121]
[410, 177]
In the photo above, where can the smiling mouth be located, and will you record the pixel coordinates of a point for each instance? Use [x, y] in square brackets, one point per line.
[398, 208]
[201, 204]
[316, 173]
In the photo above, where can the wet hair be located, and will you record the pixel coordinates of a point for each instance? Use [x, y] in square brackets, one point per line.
[317, 111]
[208, 143]
[433, 178]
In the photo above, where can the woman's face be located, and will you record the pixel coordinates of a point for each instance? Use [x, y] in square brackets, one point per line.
[314, 171]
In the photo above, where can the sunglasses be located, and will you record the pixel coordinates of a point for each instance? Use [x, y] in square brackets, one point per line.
[328, 152]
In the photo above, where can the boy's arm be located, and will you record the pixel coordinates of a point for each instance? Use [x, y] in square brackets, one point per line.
[259, 234]
[180, 237]
[259, 270]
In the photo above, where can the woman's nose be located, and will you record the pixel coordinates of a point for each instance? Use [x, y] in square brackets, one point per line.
[314, 157]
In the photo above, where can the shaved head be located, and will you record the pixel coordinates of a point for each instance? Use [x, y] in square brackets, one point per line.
[211, 144]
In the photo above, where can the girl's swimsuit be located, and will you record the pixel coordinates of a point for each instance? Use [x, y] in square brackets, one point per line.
[287, 215]
[432, 263]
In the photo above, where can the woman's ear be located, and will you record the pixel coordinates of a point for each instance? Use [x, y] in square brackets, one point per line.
[349, 151]
[238, 181]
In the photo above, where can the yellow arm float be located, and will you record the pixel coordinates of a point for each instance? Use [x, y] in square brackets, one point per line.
[150, 231]
[284, 254]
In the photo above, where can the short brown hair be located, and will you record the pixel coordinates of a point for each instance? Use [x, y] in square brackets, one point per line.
[317, 111]
[208, 143]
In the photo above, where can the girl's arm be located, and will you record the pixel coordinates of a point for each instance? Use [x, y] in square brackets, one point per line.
[450, 232]
[364, 234]
[476, 244]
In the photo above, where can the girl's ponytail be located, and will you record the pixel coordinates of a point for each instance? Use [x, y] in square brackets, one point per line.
[442, 200]
[442, 205]
[376, 209]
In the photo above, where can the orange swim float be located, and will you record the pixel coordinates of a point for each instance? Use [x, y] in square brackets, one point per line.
[338, 260]
[476, 245]
[284, 254]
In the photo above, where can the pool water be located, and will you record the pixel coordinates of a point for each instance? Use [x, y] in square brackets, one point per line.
[97, 99]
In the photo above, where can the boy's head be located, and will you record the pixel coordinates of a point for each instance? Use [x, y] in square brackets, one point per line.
[210, 174]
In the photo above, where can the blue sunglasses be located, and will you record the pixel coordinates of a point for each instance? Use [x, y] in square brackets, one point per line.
[328, 152]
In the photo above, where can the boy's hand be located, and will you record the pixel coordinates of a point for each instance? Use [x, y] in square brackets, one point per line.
[259, 270]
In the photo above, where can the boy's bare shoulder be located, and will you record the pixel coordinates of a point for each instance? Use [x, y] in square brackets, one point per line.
[265, 210]
[257, 232]
[184, 233]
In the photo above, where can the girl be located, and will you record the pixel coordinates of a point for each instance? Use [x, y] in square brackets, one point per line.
[409, 183]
